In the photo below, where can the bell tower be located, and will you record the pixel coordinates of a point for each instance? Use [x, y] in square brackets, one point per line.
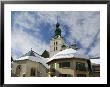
[57, 42]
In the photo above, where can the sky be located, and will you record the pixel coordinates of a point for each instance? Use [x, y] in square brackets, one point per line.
[34, 29]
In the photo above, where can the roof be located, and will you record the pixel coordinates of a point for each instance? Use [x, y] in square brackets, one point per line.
[68, 53]
[95, 61]
[30, 53]
[45, 54]
[33, 56]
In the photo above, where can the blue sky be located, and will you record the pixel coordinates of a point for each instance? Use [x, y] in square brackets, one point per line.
[34, 29]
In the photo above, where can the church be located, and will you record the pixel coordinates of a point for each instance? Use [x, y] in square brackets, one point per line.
[61, 61]
[30, 64]
[66, 61]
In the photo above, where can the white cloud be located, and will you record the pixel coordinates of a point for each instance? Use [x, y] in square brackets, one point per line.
[83, 26]
[24, 19]
[23, 42]
[48, 17]
[86, 31]
[95, 51]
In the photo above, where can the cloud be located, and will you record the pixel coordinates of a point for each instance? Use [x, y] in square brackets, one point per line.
[80, 25]
[83, 27]
[24, 19]
[22, 42]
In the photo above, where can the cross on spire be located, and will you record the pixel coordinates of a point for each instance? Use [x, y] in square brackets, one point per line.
[57, 18]
[57, 25]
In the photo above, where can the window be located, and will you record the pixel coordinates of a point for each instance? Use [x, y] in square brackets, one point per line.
[52, 65]
[24, 75]
[64, 64]
[33, 71]
[52, 68]
[56, 48]
[80, 66]
[52, 75]
[56, 43]
[65, 75]
[81, 75]
[18, 70]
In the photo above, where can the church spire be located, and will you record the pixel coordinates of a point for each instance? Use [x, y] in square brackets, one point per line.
[57, 30]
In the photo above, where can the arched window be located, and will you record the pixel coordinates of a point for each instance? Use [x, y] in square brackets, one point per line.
[18, 70]
[33, 72]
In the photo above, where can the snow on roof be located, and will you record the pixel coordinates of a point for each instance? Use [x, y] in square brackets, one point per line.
[96, 61]
[68, 53]
[34, 57]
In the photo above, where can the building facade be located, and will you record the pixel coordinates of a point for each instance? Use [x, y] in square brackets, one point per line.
[30, 65]
[65, 64]
[96, 70]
